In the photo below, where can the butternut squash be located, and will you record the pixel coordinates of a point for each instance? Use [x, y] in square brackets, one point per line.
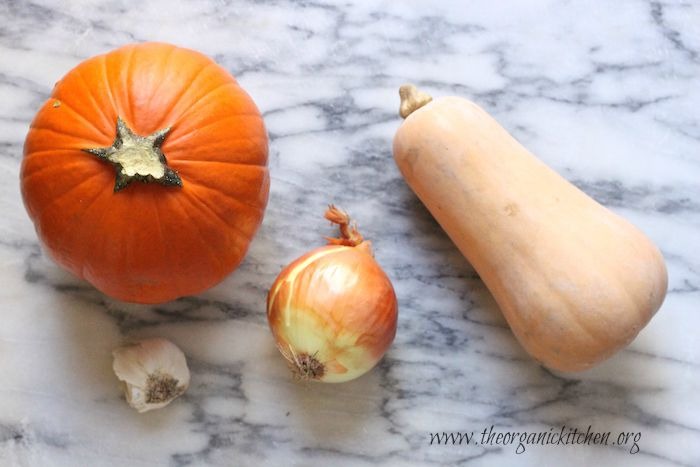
[575, 282]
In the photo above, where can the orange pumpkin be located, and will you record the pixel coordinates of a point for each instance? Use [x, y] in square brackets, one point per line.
[145, 173]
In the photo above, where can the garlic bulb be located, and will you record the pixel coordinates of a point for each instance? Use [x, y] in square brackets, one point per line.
[153, 372]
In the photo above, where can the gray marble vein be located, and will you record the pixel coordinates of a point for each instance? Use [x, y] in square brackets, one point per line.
[604, 92]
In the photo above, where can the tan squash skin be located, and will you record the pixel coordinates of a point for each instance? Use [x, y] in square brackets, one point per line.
[575, 282]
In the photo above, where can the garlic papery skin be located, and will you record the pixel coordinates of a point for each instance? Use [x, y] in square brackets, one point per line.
[153, 372]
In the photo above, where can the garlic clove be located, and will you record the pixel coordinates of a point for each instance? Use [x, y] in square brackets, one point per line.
[153, 373]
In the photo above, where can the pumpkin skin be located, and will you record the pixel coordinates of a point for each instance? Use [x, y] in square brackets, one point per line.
[575, 281]
[147, 243]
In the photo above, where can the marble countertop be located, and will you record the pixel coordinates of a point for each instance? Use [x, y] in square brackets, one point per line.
[605, 92]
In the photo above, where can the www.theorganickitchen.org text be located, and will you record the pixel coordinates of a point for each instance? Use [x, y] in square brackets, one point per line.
[564, 436]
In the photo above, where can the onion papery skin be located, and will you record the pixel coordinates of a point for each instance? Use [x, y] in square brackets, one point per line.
[337, 305]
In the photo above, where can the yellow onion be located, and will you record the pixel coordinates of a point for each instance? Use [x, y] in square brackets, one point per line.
[333, 310]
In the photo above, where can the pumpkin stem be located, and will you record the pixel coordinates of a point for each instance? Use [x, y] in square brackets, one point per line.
[412, 99]
[137, 158]
[348, 229]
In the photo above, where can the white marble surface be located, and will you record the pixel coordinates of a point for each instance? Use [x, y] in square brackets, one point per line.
[605, 92]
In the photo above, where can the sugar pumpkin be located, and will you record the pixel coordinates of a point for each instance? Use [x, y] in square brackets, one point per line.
[145, 172]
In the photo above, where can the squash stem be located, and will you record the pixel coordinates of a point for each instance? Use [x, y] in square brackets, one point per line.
[412, 99]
